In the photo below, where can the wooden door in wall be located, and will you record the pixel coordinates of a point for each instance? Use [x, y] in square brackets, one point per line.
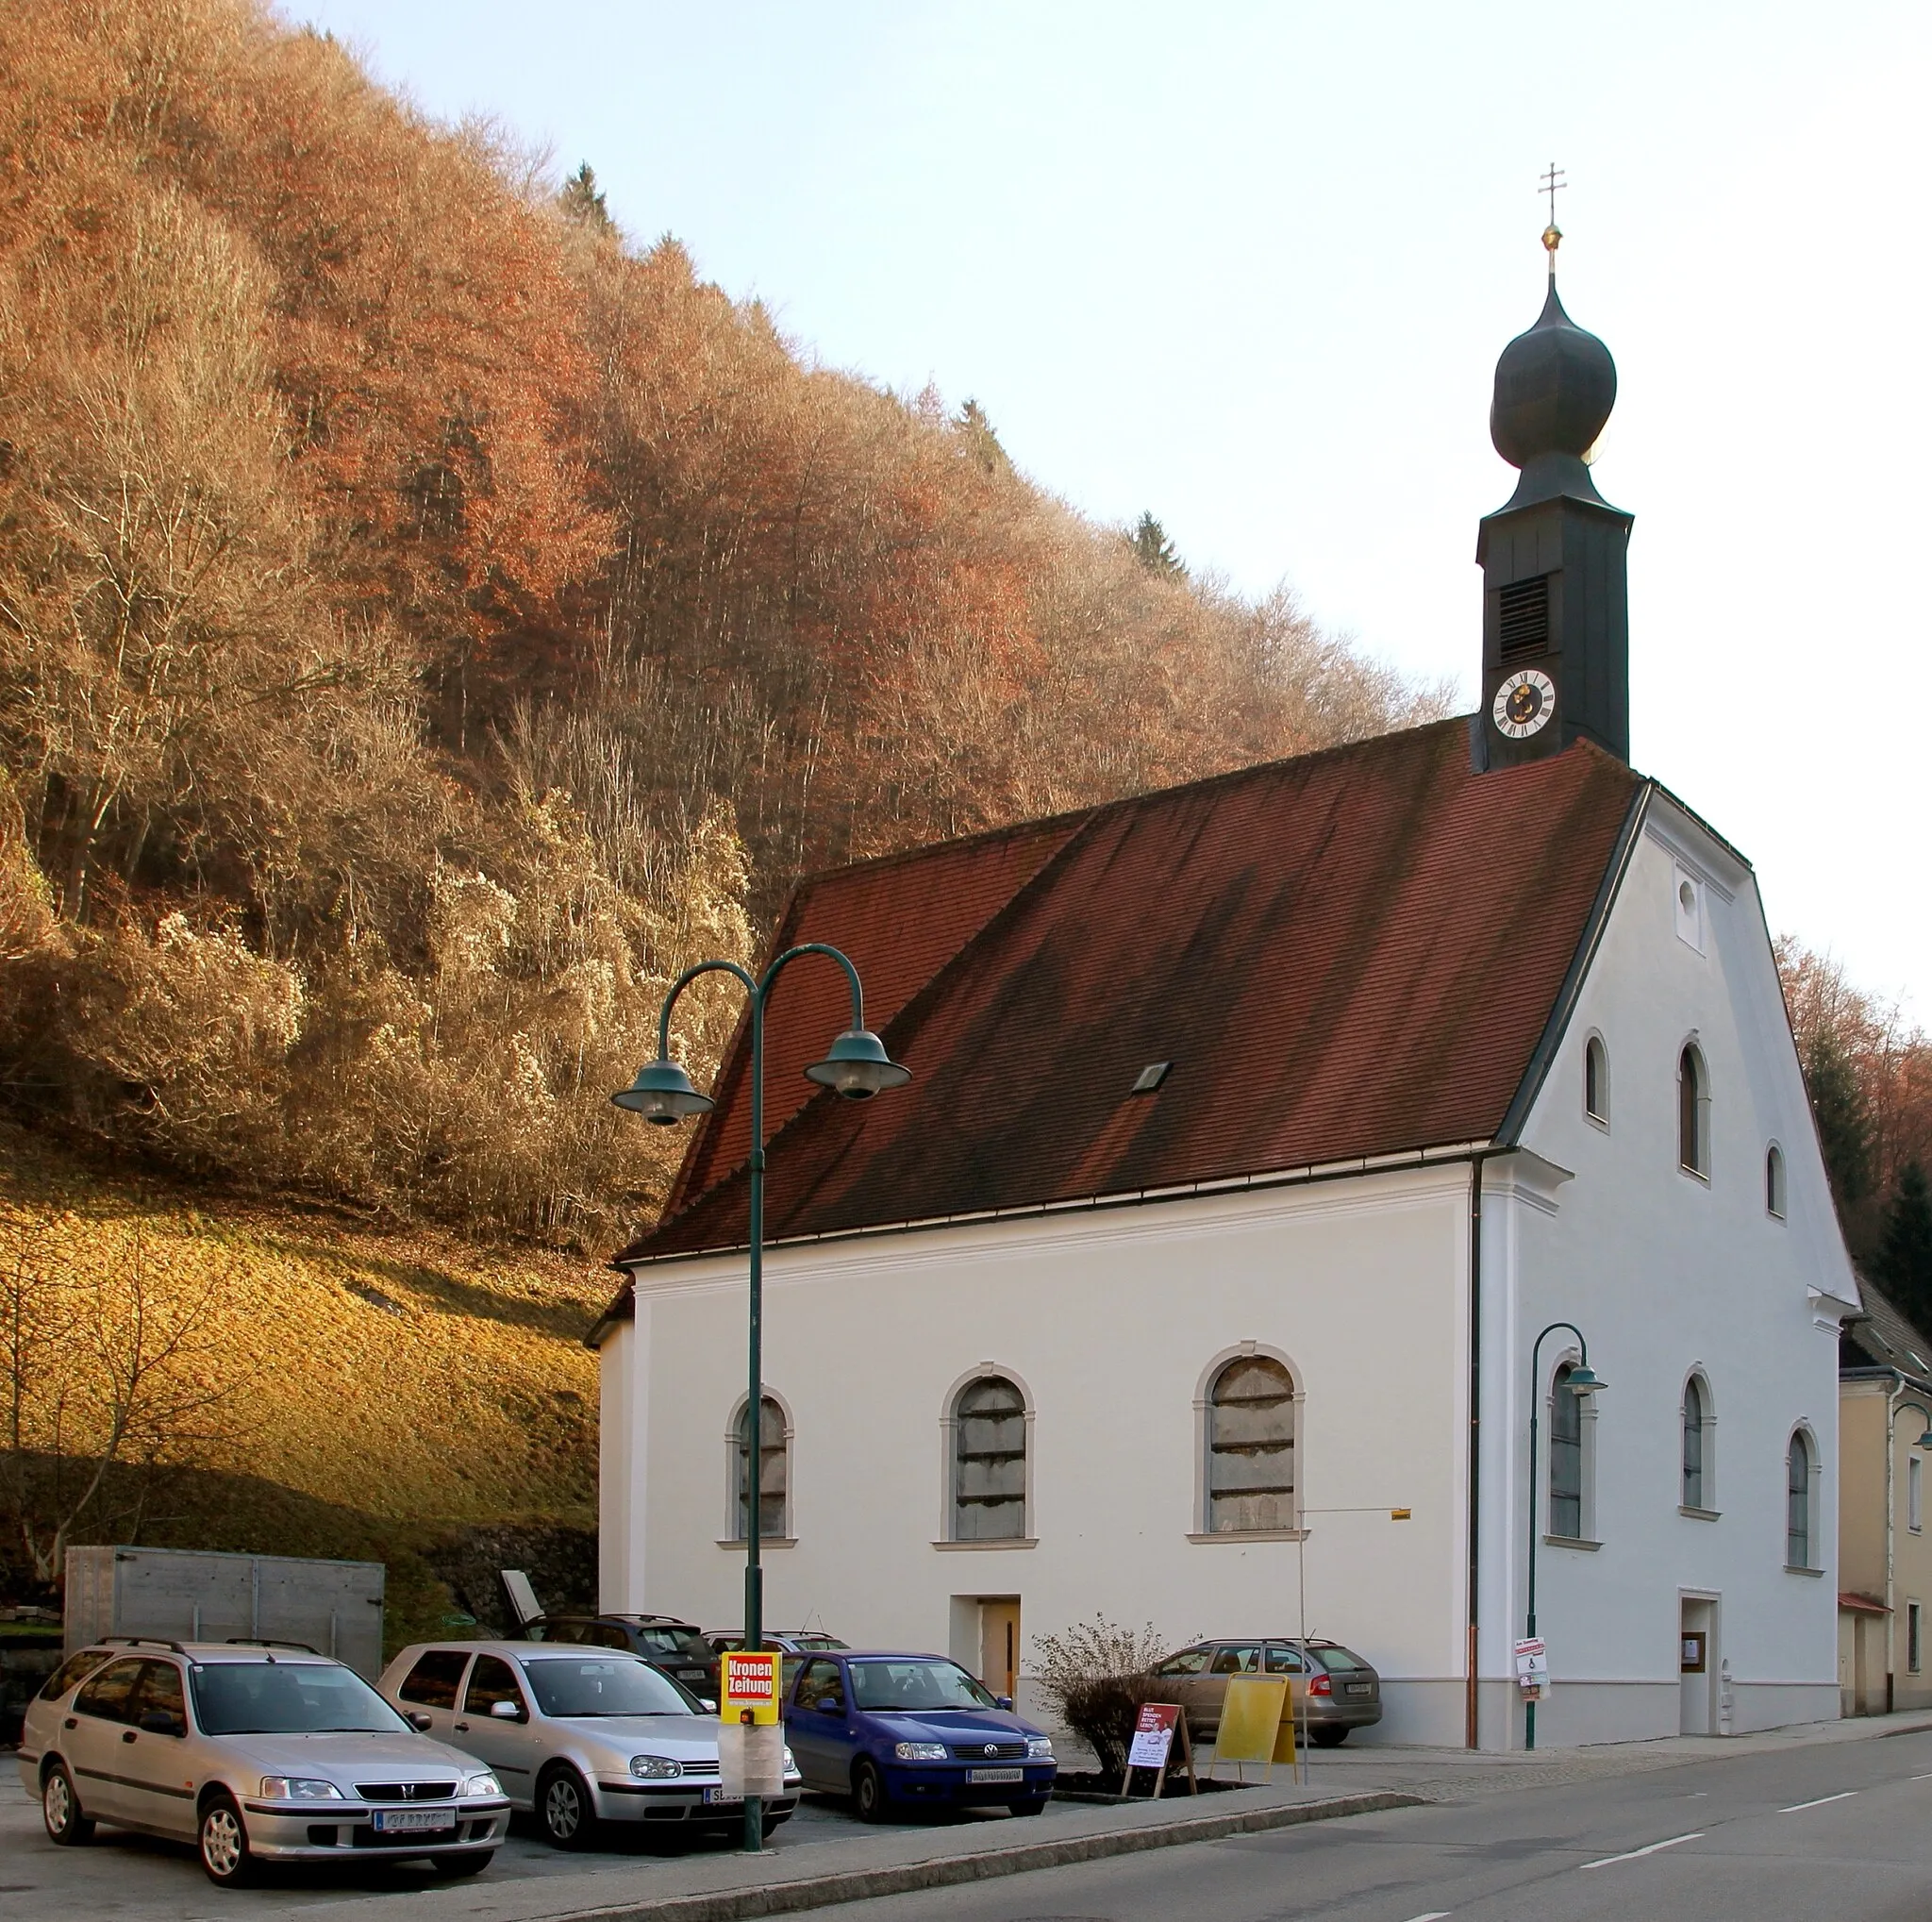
[999, 1643]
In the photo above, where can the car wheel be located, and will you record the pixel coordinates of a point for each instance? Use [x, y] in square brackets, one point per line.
[225, 1844]
[456, 1866]
[61, 1810]
[869, 1792]
[1033, 1805]
[564, 1811]
[775, 1823]
[1327, 1738]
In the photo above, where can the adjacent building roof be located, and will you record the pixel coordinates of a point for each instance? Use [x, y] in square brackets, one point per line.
[1883, 1338]
[1349, 955]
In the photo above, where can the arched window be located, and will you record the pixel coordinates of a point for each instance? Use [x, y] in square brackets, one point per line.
[1774, 1181]
[771, 1473]
[1798, 1503]
[1566, 1458]
[1693, 1116]
[1596, 1081]
[989, 1461]
[1251, 1448]
[1694, 1444]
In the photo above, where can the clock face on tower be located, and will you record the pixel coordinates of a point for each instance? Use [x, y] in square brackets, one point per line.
[1524, 703]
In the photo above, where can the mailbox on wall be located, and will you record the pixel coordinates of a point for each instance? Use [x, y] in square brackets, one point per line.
[1691, 1645]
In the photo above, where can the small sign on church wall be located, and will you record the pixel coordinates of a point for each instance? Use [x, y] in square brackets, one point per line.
[1532, 1669]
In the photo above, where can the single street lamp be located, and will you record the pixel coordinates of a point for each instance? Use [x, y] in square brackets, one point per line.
[856, 1066]
[1584, 1380]
[1898, 1407]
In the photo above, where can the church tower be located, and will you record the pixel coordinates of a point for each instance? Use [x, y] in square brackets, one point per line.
[1556, 603]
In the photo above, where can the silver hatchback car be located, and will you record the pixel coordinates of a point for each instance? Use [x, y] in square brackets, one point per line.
[579, 1736]
[253, 1753]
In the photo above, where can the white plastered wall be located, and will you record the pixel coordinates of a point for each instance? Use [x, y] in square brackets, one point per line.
[1666, 1273]
[1108, 1319]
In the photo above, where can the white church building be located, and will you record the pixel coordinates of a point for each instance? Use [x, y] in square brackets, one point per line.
[1277, 1149]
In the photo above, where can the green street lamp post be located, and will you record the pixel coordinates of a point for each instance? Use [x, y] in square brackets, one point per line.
[856, 1066]
[1898, 1407]
[1584, 1380]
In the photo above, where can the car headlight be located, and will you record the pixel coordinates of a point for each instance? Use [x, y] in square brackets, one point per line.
[920, 1751]
[656, 1767]
[1039, 1748]
[791, 1764]
[480, 1786]
[297, 1788]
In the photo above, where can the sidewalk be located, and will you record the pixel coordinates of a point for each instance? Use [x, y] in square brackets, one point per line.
[894, 1860]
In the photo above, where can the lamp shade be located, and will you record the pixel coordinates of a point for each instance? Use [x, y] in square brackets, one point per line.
[662, 1093]
[1584, 1379]
[1924, 1441]
[857, 1066]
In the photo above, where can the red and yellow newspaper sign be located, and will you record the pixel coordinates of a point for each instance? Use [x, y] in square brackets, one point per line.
[748, 1687]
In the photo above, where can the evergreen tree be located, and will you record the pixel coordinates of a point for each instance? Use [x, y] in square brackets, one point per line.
[1154, 551]
[1904, 1265]
[981, 442]
[581, 200]
[1845, 1128]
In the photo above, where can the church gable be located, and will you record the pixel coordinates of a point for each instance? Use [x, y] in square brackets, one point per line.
[1350, 955]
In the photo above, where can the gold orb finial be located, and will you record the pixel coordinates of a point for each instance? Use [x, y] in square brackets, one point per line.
[1553, 239]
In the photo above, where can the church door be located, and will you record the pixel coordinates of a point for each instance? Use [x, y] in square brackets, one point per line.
[999, 1644]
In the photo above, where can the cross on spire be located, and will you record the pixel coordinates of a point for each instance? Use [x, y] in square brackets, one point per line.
[1551, 183]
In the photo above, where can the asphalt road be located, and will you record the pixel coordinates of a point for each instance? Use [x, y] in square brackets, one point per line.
[1836, 1833]
[140, 1879]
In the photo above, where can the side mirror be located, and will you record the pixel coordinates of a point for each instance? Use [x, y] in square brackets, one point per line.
[418, 1721]
[709, 1703]
[506, 1712]
[1004, 1702]
[161, 1722]
[830, 1705]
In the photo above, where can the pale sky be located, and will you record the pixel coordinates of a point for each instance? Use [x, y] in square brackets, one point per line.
[1250, 265]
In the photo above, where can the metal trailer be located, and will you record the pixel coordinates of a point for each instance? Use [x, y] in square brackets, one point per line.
[336, 1606]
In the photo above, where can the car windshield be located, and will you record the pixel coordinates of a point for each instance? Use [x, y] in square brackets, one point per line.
[917, 1687]
[611, 1685]
[288, 1698]
[673, 1641]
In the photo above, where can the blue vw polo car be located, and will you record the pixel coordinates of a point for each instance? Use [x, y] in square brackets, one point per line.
[911, 1730]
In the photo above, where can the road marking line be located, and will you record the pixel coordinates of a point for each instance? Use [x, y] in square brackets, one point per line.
[1923, 1777]
[1843, 1795]
[1604, 1861]
[1434, 1915]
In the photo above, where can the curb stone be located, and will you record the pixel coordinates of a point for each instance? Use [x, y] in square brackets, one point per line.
[854, 1885]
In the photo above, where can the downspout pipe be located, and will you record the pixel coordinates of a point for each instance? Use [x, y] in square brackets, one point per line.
[1473, 1686]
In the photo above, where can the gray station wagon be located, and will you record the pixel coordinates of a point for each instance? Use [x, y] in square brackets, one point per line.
[254, 1754]
[580, 1736]
[1333, 1690]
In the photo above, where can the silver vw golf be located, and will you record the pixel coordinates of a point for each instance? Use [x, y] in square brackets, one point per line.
[253, 1752]
[580, 1736]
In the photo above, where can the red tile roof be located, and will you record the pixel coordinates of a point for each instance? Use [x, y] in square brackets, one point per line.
[1349, 954]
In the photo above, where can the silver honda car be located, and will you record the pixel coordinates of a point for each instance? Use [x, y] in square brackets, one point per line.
[579, 1736]
[253, 1752]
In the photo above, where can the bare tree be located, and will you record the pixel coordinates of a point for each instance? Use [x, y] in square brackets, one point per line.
[100, 1367]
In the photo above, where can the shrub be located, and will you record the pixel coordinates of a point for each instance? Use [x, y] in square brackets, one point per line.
[1095, 1675]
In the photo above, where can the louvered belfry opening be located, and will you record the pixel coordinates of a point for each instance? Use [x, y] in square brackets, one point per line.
[1251, 1448]
[1526, 618]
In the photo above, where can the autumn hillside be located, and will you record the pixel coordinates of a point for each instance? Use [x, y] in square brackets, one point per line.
[317, 1385]
[428, 619]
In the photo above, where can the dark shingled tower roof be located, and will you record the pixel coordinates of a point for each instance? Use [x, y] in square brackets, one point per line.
[1352, 954]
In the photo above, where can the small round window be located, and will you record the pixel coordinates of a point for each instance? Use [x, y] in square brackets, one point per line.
[1687, 897]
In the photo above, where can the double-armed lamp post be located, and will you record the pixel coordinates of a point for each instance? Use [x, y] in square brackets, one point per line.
[856, 1066]
[1583, 1380]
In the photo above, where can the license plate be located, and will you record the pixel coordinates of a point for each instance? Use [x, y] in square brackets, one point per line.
[411, 1821]
[995, 1775]
[722, 1795]
[1361, 1688]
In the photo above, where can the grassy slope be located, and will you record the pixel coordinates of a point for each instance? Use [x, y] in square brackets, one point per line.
[395, 1384]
